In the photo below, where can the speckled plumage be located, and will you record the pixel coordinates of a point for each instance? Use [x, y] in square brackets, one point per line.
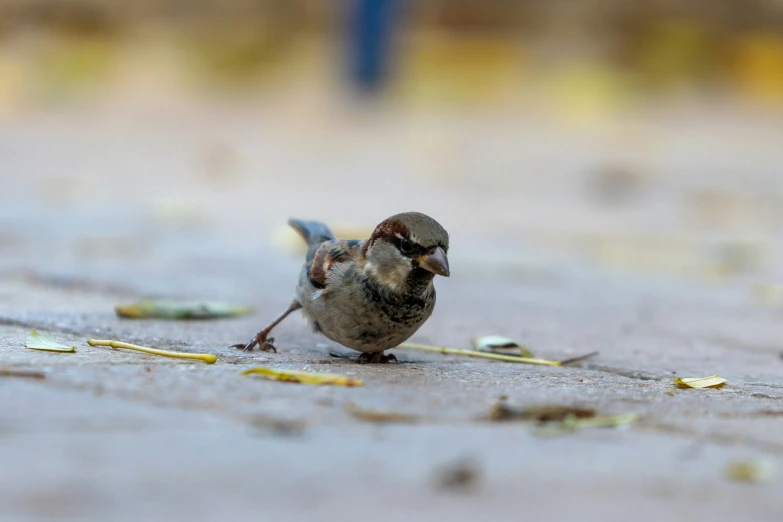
[369, 295]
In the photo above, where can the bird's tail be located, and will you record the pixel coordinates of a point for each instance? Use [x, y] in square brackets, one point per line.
[313, 232]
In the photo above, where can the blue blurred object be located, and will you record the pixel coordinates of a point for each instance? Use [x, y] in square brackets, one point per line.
[370, 41]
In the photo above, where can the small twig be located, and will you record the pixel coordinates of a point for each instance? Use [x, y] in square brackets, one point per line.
[574, 360]
[481, 355]
[206, 357]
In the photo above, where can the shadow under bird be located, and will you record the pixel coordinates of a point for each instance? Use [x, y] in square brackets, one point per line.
[372, 294]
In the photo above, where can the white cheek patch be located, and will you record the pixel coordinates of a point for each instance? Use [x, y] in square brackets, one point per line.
[391, 278]
[400, 274]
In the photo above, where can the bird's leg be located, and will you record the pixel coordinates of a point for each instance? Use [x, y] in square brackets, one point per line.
[260, 338]
[376, 357]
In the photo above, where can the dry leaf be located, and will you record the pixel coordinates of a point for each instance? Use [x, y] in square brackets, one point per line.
[755, 471]
[206, 357]
[700, 382]
[36, 341]
[305, 377]
[502, 411]
[170, 309]
[499, 344]
[381, 416]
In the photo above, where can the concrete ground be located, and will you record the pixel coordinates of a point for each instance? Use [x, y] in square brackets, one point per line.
[673, 274]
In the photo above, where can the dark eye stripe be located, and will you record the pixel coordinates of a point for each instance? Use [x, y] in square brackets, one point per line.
[415, 249]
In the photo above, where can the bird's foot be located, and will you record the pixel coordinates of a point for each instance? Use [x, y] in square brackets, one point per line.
[260, 340]
[376, 358]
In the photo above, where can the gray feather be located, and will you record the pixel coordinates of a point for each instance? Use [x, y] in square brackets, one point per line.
[313, 232]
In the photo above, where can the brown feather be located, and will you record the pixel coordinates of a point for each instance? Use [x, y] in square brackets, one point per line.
[328, 254]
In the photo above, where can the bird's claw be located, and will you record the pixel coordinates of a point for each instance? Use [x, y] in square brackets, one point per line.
[267, 346]
[260, 340]
[376, 358]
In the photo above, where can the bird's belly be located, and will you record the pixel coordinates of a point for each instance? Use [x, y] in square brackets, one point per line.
[366, 329]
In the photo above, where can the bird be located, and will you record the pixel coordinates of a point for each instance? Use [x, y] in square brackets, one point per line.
[369, 295]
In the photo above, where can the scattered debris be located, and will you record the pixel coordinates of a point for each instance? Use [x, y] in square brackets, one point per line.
[206, 357]
[300, 377]
[36, 341]
[463, 474]
[499, 344]
[502, 411]
[754, 471]
[553, 420]
[27, 374]
[281, 427]
[381, 417]
[169, 309]
[700, 382]
[572, 423]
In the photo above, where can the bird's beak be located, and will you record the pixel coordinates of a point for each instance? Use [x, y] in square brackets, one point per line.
[435, 262]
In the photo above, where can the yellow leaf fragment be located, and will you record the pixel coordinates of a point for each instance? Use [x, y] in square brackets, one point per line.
[170, 309]
[206, 357]
[500, 344]
[316, 379]
[700, 382]
[607, 421]
[36, 341]
[755, 471]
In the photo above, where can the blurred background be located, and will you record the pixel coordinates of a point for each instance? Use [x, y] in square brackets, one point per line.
[645, 137]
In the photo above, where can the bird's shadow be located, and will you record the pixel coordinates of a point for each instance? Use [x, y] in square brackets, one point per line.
[354, 357]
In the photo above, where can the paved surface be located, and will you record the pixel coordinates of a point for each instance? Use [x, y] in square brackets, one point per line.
[108, 207]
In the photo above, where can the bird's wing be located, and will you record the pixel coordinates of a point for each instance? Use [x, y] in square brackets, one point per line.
[328, 255]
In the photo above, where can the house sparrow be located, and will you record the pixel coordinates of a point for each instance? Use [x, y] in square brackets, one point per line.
[369, 295]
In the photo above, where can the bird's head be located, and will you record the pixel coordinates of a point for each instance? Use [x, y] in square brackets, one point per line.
[407, 250]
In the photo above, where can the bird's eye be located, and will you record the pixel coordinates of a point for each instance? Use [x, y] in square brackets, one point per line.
[406, 247]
